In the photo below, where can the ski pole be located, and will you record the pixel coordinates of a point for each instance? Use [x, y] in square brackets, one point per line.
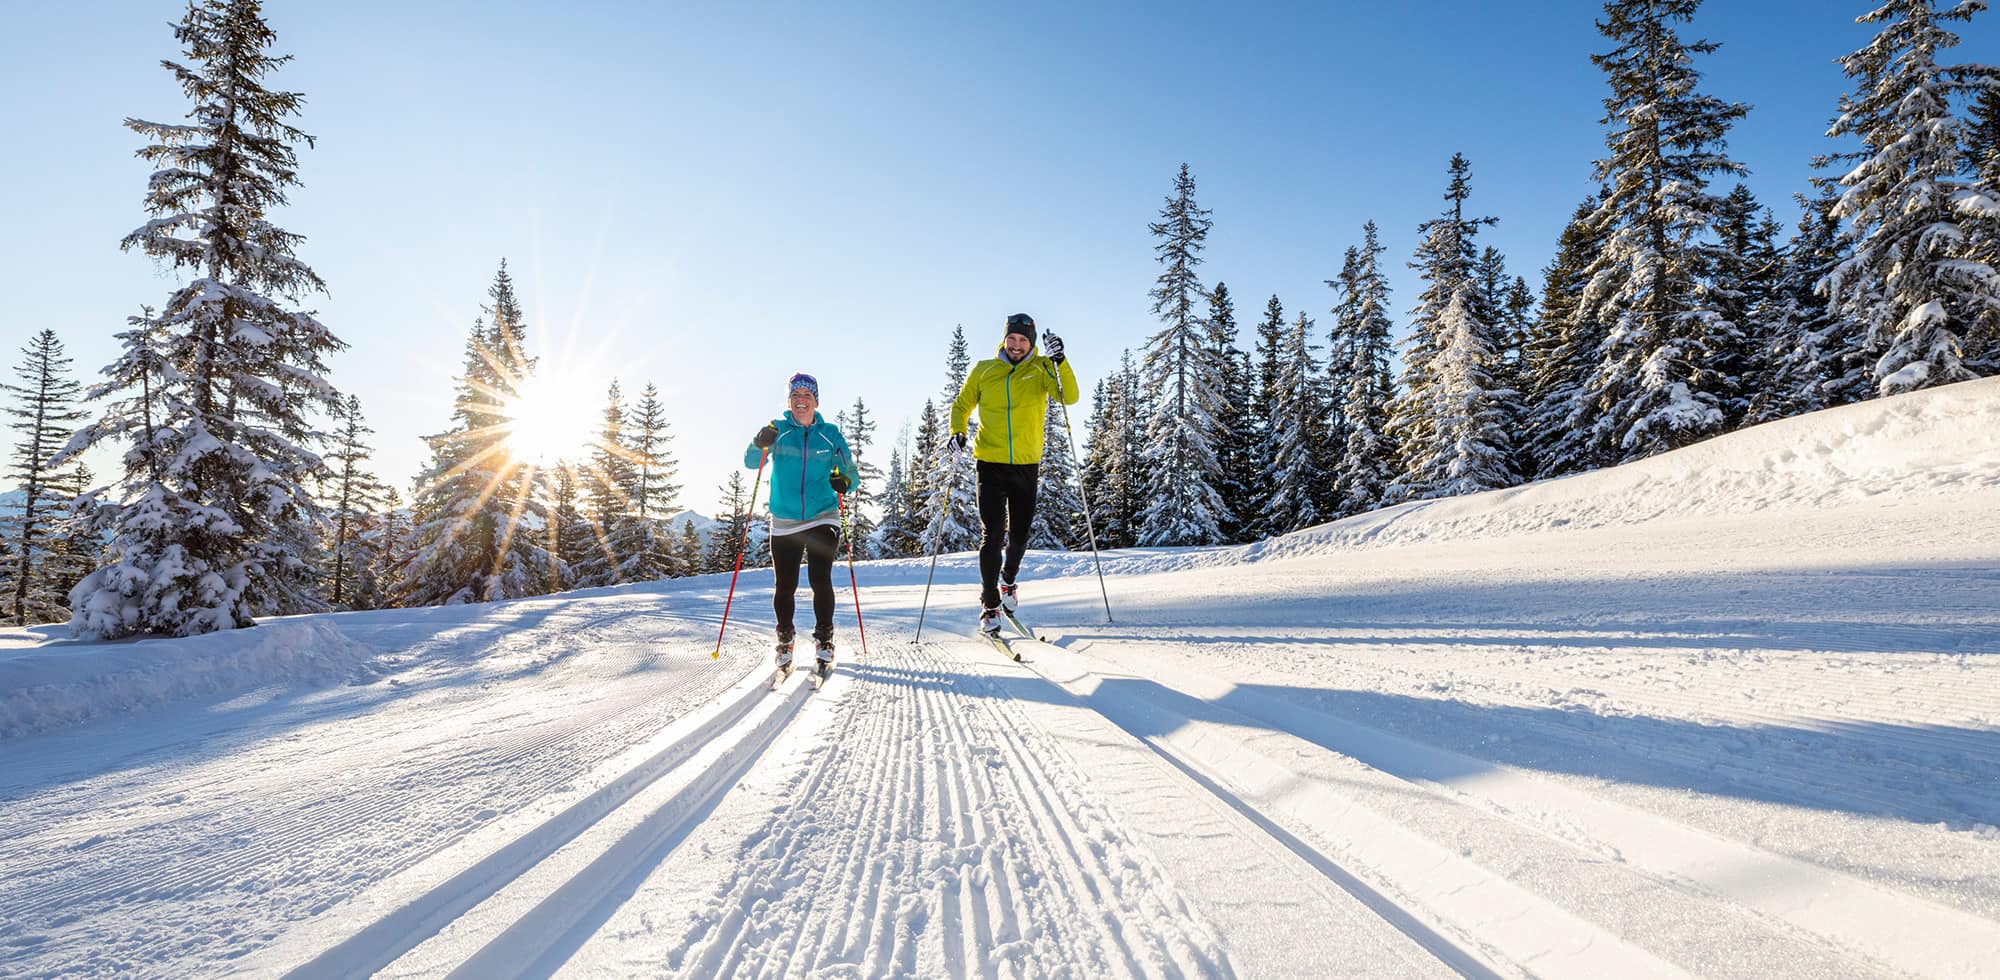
[1082, 493]
[852, 582]
[936, 540]
[742, 545]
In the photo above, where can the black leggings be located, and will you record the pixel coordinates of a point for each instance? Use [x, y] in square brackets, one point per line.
[1006, 506]
[818, 546]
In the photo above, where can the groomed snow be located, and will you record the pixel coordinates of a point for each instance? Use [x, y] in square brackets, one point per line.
[1732, 711]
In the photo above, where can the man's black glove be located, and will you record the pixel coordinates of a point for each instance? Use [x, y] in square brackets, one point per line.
[765, 437]
[956, 443]
[1052, 346]
[839, 481]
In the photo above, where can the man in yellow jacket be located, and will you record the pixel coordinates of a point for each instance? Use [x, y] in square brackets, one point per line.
[1011, 392]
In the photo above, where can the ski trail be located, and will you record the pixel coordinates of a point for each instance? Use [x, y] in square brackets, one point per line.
[923, 826]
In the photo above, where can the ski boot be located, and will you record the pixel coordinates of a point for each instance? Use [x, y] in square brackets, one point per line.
[1008, 599]
[822, 662]
[784, 659]
[989, 621]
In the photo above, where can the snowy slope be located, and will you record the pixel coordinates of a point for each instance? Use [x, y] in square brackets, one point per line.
[1732, 711]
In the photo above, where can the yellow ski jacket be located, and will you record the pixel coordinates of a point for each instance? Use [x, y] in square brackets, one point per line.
[1013, 403]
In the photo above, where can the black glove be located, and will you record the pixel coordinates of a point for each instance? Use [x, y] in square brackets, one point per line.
[839, 481]
[765, 437]
[956, 443]
[1052, 346]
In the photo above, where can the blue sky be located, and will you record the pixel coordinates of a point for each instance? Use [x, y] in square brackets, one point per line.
[712, 196]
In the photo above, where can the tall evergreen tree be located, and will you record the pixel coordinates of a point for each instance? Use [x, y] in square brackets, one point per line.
[1452, 418]
[893, 537]
[45, 413]
[610, 479]
[732, 524]
[1236, 449]
[859, 431]
[1741, 283]
[1298, 454]
[1058, 506]
[1561, 352]
[475, 514]
[953, 507]
[1813, 353]
[638, 543]
[357, 494]
[1185, 378]
[571, 538]
[212, 522]
[1261, 421]
[1916, 278]
[1654, 383]
[1366, 466]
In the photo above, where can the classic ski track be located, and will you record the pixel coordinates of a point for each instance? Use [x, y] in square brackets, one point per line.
[977, 869]
[1965, 930]
[292, 826]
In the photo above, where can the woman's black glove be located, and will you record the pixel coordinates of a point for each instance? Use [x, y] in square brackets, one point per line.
[765, 437]
[839, 481]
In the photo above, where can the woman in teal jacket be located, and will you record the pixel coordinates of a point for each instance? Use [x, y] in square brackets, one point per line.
[810, 467]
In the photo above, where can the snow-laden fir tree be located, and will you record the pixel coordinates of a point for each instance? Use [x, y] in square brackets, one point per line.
[356, 495]
[953, 507]
[859, 429]
[1184, 376]
[1237, 449]
[1366, 467]
[475, 512]
[920, 470]
[687, 549]
[1814, 354]
[45, 412]
[211, 522]
[1298, 455]
[1113, 476]
[1514, 310]
[893, 537]
[638, 547]
[1741, 281]
[609, 480]
[1264, 375]
[1915, 208]
[1655, 380]
[1982, 148]
[1058, 500]
[1562, 350]
[732, 524]
[1452, 418]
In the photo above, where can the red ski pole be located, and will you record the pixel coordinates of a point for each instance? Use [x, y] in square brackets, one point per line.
[742, 545]
[852, 582]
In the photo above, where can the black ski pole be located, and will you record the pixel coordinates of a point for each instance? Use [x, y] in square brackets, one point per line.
[1088, 524]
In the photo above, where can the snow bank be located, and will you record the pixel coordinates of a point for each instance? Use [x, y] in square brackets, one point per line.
[62, 683]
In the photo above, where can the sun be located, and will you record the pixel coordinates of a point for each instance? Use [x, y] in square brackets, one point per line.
[549, 420]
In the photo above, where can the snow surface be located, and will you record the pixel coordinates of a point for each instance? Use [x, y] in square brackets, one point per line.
[1732, 711]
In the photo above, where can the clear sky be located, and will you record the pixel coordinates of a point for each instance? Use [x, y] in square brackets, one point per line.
[710, 196]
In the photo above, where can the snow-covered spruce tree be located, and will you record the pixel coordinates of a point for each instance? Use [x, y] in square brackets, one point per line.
[1983, 150]
[732, 521]
[641, 546]
[45, 411]
[953, 507]
[1814, 354]
[1115, 459]
[474, 513]
[892, 537]
[687, 549]
[920, 472]
[1235, 448]
[1261, 421]
[1741, 284]
[1561, 351]
[859, 429]
[568, 536]
[356, 494]
[1915, 209]
[1451, 419]
[1366, 467]
[1653, 382]
[1184, 376]
[211, 522]
[608, 482]
[1297, 477]
[1058, 506]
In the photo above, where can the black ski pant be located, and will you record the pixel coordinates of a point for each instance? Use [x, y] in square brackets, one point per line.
[818, 546]
[1006, 514]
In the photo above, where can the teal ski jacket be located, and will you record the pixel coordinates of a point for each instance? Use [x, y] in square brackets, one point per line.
[802, 460]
